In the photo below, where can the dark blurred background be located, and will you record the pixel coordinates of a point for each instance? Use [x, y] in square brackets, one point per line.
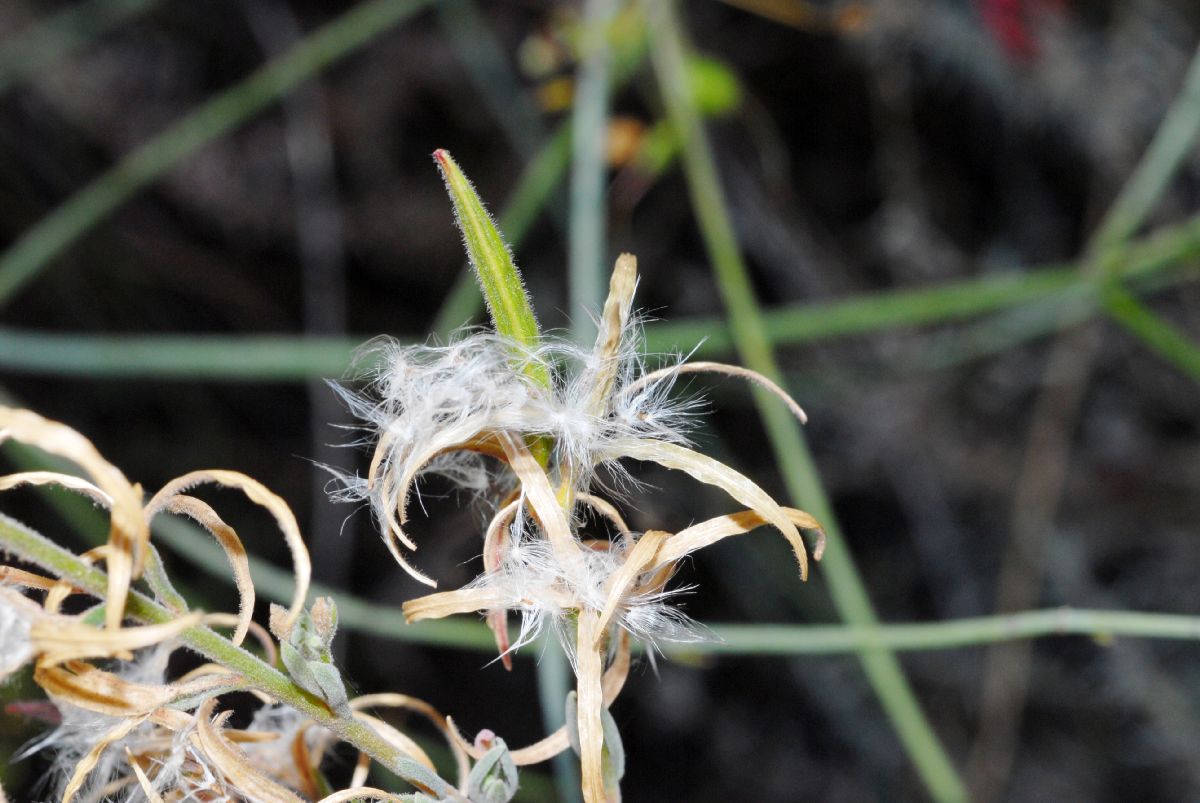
[996, 463]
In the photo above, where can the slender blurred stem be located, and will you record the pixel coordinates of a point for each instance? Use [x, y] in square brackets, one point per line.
[56, 232]
[1037, 297]
[1156, 333]
[588, 220]
[364, 616]
[320, 245]
[1173, 142]
[1055, 415]
[791, 450]
[553, 676]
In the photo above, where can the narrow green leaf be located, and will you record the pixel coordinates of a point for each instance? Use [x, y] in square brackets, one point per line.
[1158, 334]
[507, 301]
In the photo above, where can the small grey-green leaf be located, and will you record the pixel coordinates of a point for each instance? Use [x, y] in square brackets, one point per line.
[573, 721]
[493, 779]
[613, 766]
[297, 668]
[332, 689]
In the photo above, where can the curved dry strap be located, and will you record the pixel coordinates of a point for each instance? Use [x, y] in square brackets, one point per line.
[536, 488]
[607, 510]
[391, 700]
[447, 603]
[84, 686]
[128, 534]
[493, 555]
[258, 631]
[59, 639]
[88, 763]
[201, 513]
[713, 472]
[258, 493]
[547, 748]
[719, 368]
[12, 576]
[393, 492]
[63, 589]
[637, 560]
[397, 739]
[589, 725]
[606, 354]
[144, 782]
[493, 537]
[234, 764]
[68, 481]
[709, 532]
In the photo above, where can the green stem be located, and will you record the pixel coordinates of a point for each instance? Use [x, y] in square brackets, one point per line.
[589, 122]
[363, 616]
[289, 358]
[947, 635]
[750, 336]
[27, 545]
[51, 236]
[1158, 334]
[1172, 144]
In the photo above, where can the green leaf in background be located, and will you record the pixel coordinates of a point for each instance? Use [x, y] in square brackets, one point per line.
[716, 90]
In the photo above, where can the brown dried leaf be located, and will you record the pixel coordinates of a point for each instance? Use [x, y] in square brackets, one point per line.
[391, 700]
[143, 781]
[606, 353]
[640, 558]
[63, 638]
[535, 486]
[713, 472]
[68, 481]
[448, 603]
[89, 761]
[201, 513]
[92, 689]
[128, 534]
[727, 370]
[260, 495]
[591, 702]
[234, 764]
[709, 532]
[359, 793]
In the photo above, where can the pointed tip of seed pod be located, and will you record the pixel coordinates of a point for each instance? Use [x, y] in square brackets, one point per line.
[442, 157]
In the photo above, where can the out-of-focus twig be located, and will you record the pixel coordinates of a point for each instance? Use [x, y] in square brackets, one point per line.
[1046, 460]
[791, 450]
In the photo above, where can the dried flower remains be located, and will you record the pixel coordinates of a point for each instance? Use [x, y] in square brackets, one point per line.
[564, 443]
